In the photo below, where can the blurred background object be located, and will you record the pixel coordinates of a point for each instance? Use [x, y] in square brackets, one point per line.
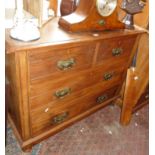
[68, 6]
[141, 19]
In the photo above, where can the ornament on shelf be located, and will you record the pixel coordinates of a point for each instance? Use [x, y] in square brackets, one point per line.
[131, 7]
[23, 29]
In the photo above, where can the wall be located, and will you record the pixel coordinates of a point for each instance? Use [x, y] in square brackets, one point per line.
[9, 3]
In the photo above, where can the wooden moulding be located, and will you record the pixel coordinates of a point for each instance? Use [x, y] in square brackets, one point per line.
[86, 18]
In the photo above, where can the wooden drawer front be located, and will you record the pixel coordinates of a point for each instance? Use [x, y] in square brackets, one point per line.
[115, 49]
[49, 98]
[43, 119]
[50, 116]
[70, 85]
[59, 63]
[73, 84]
[99, 97]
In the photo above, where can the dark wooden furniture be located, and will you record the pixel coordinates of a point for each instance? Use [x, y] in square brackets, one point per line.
[136, 92]
[63, 77]
[67, 7]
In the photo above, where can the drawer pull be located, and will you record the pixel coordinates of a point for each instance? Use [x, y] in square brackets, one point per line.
[108, 76]
[66, 64]
[117, 51]
[63, 92]
[101, 99]
[101, 22]
[60, 118]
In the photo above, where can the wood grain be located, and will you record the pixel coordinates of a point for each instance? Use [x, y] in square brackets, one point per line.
[34, 77]
[86, 18]
[73, 107]
[53, 36]
[46, 63]
[134, 88]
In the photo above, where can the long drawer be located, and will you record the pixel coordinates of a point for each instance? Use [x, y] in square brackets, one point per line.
[54, 90]
[47, 117]
[58, 63]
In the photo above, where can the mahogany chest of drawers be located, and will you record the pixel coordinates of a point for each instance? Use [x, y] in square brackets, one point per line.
[63, 77]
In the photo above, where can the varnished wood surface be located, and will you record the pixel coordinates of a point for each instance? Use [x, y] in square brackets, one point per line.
[13, 106]
[44, 62]
[135, 87]
[15, 68]
[107, 46]
[54, 6]
[86, 18]
[140, 70]
[76, 83]
[75, 107]
[27, 145]
[53, 35]
[35, 77]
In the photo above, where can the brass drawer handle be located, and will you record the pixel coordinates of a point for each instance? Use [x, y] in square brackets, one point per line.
[66, 64]
[108, 76]
[102, 98]
[101, 22]
[63, 92]
[60, 118]
[117, 51]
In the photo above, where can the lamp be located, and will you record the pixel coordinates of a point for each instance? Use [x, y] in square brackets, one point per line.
[23, 29]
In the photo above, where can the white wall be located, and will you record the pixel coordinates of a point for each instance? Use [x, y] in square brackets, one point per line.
[9, 3]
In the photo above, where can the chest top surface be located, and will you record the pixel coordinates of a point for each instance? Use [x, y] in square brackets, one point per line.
[53, 35]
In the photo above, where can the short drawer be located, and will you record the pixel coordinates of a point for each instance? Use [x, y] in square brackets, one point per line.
[48, 117]
[115, 49]
[59, 62]
[100, 97]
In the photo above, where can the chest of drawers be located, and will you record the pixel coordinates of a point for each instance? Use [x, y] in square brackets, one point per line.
[63, 77]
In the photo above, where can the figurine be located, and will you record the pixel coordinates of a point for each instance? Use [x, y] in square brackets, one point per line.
[131, 7]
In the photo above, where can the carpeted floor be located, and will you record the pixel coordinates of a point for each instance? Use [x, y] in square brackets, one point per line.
[98, 134]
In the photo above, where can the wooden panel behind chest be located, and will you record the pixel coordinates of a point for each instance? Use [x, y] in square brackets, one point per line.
[115, 49]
